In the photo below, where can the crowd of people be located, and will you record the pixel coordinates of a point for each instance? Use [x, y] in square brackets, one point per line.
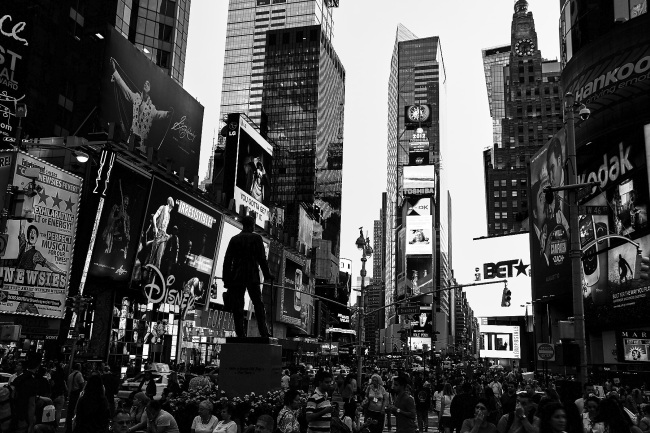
[491, 402]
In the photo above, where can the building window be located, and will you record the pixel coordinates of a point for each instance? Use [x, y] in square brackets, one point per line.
[497, 215]
[513, 182]
[497, 204]
[503, 182]
[496, 183]
[504, 215]
[497, 194]
[514, 193]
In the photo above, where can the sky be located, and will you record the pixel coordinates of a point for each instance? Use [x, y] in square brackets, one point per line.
[364, 37]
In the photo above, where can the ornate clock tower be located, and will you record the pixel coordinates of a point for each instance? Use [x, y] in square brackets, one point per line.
[533, 113]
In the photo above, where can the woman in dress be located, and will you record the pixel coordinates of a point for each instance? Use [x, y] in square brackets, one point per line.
[287, 420]
[226, 425]
[204, 422]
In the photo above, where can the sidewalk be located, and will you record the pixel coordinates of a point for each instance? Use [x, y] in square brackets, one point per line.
[433, 423]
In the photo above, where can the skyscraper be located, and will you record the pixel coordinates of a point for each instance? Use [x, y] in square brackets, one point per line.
[532, 102]
[248, 23]
[416, 142]
[303, 98]
[158, 27]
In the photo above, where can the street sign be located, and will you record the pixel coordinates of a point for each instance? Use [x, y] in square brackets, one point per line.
[408, 309]
[593, 210]
[545, 352]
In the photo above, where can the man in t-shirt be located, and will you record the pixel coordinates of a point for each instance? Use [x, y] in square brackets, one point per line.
[158, 420]
[403, 407]
[26, 390]
[319, 409]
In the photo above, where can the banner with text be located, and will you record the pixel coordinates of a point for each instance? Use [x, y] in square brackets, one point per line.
[38, 256]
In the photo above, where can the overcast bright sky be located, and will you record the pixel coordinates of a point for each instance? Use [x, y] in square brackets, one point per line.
[364, 36]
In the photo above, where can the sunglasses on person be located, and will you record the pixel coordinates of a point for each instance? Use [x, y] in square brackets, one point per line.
[479, 407]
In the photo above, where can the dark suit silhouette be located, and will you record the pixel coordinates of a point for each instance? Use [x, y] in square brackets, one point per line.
[245, 253]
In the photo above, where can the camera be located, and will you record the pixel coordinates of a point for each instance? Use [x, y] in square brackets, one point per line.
[584, 113]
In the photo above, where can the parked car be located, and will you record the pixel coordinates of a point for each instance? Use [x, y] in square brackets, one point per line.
[133, 384]
[4, 379]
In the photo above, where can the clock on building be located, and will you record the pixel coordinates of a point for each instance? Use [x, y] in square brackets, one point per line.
[418, 113]
[524, 47]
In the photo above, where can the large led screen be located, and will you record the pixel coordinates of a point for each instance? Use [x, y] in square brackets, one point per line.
[494, 259]
[549, 227]
[149, 107]
[175, 258]
[499, 341]
[614, 291]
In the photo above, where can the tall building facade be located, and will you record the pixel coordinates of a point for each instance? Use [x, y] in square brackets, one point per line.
[532, 113]
[248, 23]
[159, 28]
[416, 143]
[303, 98]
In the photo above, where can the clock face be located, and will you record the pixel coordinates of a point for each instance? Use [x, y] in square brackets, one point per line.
[418, 113]
[525, 47]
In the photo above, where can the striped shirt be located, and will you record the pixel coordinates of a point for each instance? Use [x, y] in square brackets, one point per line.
[317, 402]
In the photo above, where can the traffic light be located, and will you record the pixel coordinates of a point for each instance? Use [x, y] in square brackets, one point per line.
[642, 268]
[505, 297]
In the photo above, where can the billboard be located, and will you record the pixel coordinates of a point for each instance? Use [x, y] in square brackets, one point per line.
[15, 38]
[120, 225]
[493, 259]
[294, 306]
[614, 294]
[149, 107]
[36, 263]
[253, 172]
[498, 341]
[633, 345]
[549, 232]
[174, 263]
[419, 180]
[419, 235]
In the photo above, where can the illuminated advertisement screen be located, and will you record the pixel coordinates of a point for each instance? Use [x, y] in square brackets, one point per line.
[499, 341]
[253, 173]
[614, 291]
[419, 180]
[419, 235]
[120, 225]
[178, 243]
[148, 106]
[294, 306]
[493, 259]
[549, 223]
[633, 345]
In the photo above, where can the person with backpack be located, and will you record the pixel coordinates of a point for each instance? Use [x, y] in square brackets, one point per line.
[422, 405]
[26, 388]
[45, 411]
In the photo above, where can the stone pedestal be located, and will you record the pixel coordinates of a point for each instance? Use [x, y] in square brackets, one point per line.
[250, 365]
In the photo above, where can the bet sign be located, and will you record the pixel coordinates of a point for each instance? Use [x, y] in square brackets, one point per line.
[504, 269]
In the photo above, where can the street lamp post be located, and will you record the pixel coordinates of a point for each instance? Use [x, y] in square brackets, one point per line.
[363, 244]
[575, 252]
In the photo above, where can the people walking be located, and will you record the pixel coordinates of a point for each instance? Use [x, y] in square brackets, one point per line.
[75, 385]
[26, 386]
[287, 420]
[376, 399]
[319, 409]
[479, 423]
[92, 413]
[404, 407]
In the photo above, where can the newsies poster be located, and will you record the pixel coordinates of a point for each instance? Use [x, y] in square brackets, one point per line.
[36, 262]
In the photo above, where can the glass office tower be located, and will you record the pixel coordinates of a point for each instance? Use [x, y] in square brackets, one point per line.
[248, 23]
[159, 28]
[303, 98]
[417, 77]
